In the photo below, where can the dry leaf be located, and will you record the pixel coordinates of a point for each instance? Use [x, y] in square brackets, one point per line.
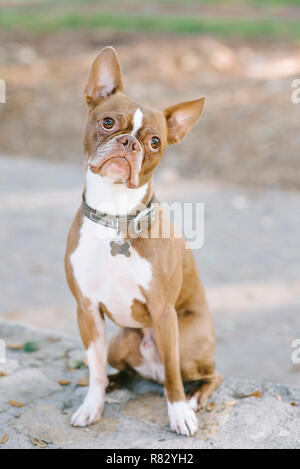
[293, 404]
[278, 397]
[83, 381]
[210, 406]
[15, 346]
[4, 439]
[3, 373]
[64, 382]
[230, 403]
[39, 443]
[16, 404]
[54, 340]
[257, 394]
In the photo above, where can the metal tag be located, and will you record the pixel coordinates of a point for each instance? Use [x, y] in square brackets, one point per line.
[120, 248]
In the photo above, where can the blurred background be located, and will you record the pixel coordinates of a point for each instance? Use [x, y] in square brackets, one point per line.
[242, 159]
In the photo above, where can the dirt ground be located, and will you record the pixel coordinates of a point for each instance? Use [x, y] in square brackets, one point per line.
[249, 133]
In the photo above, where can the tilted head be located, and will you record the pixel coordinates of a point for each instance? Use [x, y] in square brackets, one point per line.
[124, 141]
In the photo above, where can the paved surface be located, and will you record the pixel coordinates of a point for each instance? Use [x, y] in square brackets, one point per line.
[250, 262]
[135, 416]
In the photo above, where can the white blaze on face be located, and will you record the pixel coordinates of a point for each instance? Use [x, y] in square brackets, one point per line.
[137, 122]
[105, 150]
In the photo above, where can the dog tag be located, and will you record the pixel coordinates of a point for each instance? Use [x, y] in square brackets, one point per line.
[120, 248]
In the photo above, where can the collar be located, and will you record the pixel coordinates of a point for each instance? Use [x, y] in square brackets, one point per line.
[131, 224]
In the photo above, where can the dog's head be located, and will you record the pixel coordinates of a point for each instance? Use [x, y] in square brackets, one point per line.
[124, 141]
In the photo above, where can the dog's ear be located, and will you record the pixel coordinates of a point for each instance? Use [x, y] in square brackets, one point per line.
[105, 77]
[181, 118]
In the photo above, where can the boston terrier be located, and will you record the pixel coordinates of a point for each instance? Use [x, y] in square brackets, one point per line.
[120, 262]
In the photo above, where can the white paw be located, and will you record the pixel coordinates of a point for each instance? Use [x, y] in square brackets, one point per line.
[193, 403]
[183, 419]
[88, 413]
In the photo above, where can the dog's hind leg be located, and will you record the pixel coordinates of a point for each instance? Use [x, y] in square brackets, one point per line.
[199, 394]
[134, 351]
[197, 354]
[124, 355]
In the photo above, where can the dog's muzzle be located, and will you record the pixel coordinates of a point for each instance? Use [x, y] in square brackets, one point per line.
[120, 159]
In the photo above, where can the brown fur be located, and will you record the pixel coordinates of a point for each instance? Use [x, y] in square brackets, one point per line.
[175, 304]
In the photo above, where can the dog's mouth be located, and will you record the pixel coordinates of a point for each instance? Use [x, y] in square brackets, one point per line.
[116, 161]
[116, 168]
[119, 168]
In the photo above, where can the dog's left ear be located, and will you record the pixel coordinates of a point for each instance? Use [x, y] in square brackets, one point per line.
[105, 77]
[182, 117]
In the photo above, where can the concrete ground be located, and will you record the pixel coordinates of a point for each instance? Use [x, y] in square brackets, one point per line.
[250, 265]
[250, 262]
[40, 389]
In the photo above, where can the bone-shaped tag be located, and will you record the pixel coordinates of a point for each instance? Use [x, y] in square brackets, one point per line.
[120, 248]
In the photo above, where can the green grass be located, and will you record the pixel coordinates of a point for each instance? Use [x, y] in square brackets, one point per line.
[44, 21]
[148, 2]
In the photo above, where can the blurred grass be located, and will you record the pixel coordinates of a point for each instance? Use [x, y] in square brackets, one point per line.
[49, 21]
[37, 16]
[148, 2]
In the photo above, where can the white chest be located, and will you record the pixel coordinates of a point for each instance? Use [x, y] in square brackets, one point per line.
[114, 281]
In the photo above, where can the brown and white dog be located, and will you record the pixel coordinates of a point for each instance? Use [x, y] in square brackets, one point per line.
[154, 293]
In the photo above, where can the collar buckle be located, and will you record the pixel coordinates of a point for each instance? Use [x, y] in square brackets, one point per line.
[143, 217]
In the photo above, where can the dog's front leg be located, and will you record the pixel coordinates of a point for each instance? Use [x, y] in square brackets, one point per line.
[182, 418]
[92, 330]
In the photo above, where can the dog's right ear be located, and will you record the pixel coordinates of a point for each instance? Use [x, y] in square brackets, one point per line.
[105, 77]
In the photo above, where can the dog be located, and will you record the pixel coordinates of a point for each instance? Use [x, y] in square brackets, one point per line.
[148, 285]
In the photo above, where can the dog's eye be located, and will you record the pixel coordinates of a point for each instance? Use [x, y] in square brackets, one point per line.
[154, 143]
[108, 123]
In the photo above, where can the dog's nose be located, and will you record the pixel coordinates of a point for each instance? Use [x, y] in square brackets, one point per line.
[129, 142]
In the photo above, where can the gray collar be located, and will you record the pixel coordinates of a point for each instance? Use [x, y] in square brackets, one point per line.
[131, 224]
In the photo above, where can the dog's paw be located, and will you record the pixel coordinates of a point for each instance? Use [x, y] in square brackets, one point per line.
[87, 414]
[193, 403]
[183, 419]
[197, 402]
